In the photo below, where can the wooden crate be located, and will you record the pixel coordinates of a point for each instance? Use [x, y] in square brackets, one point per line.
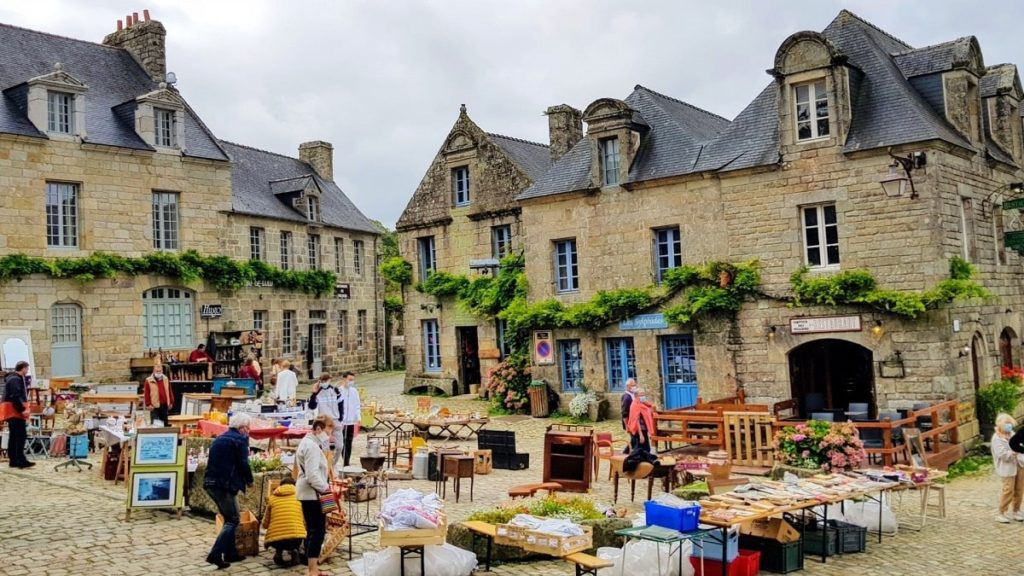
[509, 534]
[484, 461]
[558, 546]
[422, 537]
[247, 535]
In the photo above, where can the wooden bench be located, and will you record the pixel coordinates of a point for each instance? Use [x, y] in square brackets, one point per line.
[484, 530]
[587, 564]
[527, 490]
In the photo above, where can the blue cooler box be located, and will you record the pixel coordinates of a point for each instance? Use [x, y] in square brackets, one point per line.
[78, 446]
[681, 519]
[713, 545]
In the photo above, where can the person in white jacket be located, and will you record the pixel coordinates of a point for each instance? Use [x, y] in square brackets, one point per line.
[351, 411]
[1010, 469]
[330, 400]
[313, 481]
[287, 382]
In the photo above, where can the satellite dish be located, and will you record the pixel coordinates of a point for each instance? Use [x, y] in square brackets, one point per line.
[171, 78]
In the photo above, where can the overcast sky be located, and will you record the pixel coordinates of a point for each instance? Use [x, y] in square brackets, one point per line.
[383, 80]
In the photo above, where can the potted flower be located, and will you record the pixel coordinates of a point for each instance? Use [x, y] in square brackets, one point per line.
[819, 446]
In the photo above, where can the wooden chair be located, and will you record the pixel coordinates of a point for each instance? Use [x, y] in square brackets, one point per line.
[423, 404]
[604, 448]
[401, 443]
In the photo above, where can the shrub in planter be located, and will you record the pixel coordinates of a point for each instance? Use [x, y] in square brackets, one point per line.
[999, 396]
[818, 445]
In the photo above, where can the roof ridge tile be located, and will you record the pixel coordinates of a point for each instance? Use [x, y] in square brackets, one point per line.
[850, 14]
[229, 142]
[929, 47]
[52, 35]
[514, 139]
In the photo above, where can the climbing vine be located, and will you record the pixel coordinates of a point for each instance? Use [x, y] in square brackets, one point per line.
[396, 269]
[221, 272]
[860, 287]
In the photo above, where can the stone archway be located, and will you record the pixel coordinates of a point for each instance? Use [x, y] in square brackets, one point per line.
[977, 359]
[832, 374]
[1008, 341]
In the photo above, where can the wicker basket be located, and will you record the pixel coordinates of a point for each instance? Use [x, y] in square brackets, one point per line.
[247, 535]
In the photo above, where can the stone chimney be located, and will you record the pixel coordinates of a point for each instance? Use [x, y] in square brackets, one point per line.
[319, 155]
[565, 129]
[144, 40]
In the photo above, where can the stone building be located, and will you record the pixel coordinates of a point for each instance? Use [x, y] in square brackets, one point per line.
[463, 219]
[99, 153]
[795, 180]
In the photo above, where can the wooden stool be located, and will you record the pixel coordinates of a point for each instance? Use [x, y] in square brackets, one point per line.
[457, 468]
[938, 505]
[484, 461]
[643, 470]
[527, 490]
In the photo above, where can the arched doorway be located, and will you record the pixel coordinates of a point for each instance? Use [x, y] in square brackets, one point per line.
[831, 374]
[977, 354]
[1007, 342]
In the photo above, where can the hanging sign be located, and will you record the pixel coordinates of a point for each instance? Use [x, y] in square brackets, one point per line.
[1016, 204]
[824, 324]
[342, 291]
[1014, 241]
[644, 322]
[210, 311]
[543, 348]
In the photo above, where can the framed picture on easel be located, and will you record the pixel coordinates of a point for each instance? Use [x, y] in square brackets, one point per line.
[914, 446]
[155, 447]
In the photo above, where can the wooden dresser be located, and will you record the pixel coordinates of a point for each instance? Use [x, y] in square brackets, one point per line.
[569, 456]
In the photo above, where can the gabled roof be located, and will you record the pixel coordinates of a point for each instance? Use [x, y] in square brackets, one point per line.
[257, 174]
[937, 58]
[532, 158]
[112, 75]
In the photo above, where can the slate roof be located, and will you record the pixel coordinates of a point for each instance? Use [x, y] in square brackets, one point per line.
[886, 111]
[113, 78]
[257, 174]
[531, 157]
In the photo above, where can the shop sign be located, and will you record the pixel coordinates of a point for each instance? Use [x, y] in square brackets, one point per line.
[543, 348]
[1014, 240]
[342, 291]
[825, 324]
[209, 311]
[1016, 204]
[259, 284]
[644, 322]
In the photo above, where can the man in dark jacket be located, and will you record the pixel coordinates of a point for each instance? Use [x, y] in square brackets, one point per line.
[1017, 441]
[227, 473]
[14, 410]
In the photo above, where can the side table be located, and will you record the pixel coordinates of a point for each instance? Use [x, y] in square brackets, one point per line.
[457, 468]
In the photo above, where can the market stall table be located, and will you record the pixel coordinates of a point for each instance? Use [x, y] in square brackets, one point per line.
[93, 398]
[210, 429]
[664, 536]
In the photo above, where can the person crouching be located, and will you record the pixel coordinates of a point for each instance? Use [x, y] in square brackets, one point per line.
[283, 521]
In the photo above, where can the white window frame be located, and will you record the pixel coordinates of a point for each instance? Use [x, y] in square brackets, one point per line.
[288, 333]
[501, 241]
[610, 160]
[360, 329]
[257, 243]
[460, 186]
[168, 318]
[65, 324]
[165, 220]
[343, 330]
[569, 281]
[312, 208]
[259, 320]
[313, 251]
[967, 230]
[431, 345]
[812, 101]
[286, 250]
[357, 257]
[427, 249]
[62, 201]
[821, 229]
[60, 112]
[339, 255]
[165, 128]
[668, 251]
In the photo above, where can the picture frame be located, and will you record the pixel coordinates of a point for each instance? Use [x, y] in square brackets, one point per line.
[155, 447]
[915, 452]
[156, 488]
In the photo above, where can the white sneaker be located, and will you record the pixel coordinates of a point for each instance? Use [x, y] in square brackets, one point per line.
[1002, 519]
[1019, 516]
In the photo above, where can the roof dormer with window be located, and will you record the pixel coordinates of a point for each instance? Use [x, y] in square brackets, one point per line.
[814, 91]
[160, 119]
[303, 194]
[460, 159]
[615, 132]
[56, 104]
[1001, 94]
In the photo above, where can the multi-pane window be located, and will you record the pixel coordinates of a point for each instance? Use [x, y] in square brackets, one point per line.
[259, 320]
[286, 250]
[164, 128]
[431, 346]
[571, 359]
[428, 256]
[165, 221]
[313, 247]
[360, 329]
[811, 110]
[60, 112]
[313, 208]
[501, 241]
[61, 215]
[621, 358]
[357, 257]
[610, 161]
[339, 256]
[504, 346]
[167, 318]
[967, 229]
[668, 252]
[288, 332]
[65, 324]
[460, 185]
[821, 236]
[343, 330]
[679, 360]
[257, 247]
[566, 269]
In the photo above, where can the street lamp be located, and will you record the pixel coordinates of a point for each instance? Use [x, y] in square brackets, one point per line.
[895, 182]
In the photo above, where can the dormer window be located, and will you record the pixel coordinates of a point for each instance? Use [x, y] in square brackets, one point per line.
[164, 128]
[60, 112]
[610, 161]
[312, 208]
[812, 116]
[460, 185]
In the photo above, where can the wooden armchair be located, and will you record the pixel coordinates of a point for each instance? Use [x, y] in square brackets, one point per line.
[604, 448]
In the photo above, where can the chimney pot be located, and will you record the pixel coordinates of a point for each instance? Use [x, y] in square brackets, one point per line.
[128, 20]
[565, 129]
[119, 25]
[135, 17]
[146, 43]
[145, 15]
[319, 155]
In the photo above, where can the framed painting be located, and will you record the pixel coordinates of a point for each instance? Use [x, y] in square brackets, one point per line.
[155, 447]
[155, 488]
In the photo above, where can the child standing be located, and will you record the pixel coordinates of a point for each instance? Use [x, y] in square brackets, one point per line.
[1008, 468]
[283, 521]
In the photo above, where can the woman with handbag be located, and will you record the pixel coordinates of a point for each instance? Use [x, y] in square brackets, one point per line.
[313, 486]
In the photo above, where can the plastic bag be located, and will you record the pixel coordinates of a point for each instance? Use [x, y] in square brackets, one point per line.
[443, 560]
[865, 514]
[646, 558]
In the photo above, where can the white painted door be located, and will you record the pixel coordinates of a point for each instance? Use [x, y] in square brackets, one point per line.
[65, 340]
[317, 342]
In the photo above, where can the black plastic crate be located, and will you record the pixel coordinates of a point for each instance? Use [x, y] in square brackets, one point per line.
[778, 557]
[510, 461]
[852, 538]
[817, 540]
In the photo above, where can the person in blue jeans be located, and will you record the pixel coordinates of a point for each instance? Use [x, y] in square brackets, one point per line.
[227, 473]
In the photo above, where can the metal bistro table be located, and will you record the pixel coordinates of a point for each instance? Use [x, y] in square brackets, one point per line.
[665, 536]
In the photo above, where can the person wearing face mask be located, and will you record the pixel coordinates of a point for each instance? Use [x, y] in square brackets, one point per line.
[157, 395]
[313, 480]
[1009, 467]
[328, 399]
[351, 411]
[641, 421]
[228, 473]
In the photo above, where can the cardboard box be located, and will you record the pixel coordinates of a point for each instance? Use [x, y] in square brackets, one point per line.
[772, 528]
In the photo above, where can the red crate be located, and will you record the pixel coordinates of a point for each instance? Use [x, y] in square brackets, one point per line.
[747, 563]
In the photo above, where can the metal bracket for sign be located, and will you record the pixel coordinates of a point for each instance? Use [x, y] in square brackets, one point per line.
[892, 367]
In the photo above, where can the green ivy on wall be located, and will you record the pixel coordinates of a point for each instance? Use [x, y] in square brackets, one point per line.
[859, 287]
[396, 269]
[220, 272]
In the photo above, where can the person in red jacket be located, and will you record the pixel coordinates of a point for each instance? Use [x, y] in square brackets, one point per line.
[157, 395]
[14, 410]
[199, 354]
[641, 421]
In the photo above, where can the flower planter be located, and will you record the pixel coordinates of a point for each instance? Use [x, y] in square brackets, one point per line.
[539, 401]
[597, 410]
